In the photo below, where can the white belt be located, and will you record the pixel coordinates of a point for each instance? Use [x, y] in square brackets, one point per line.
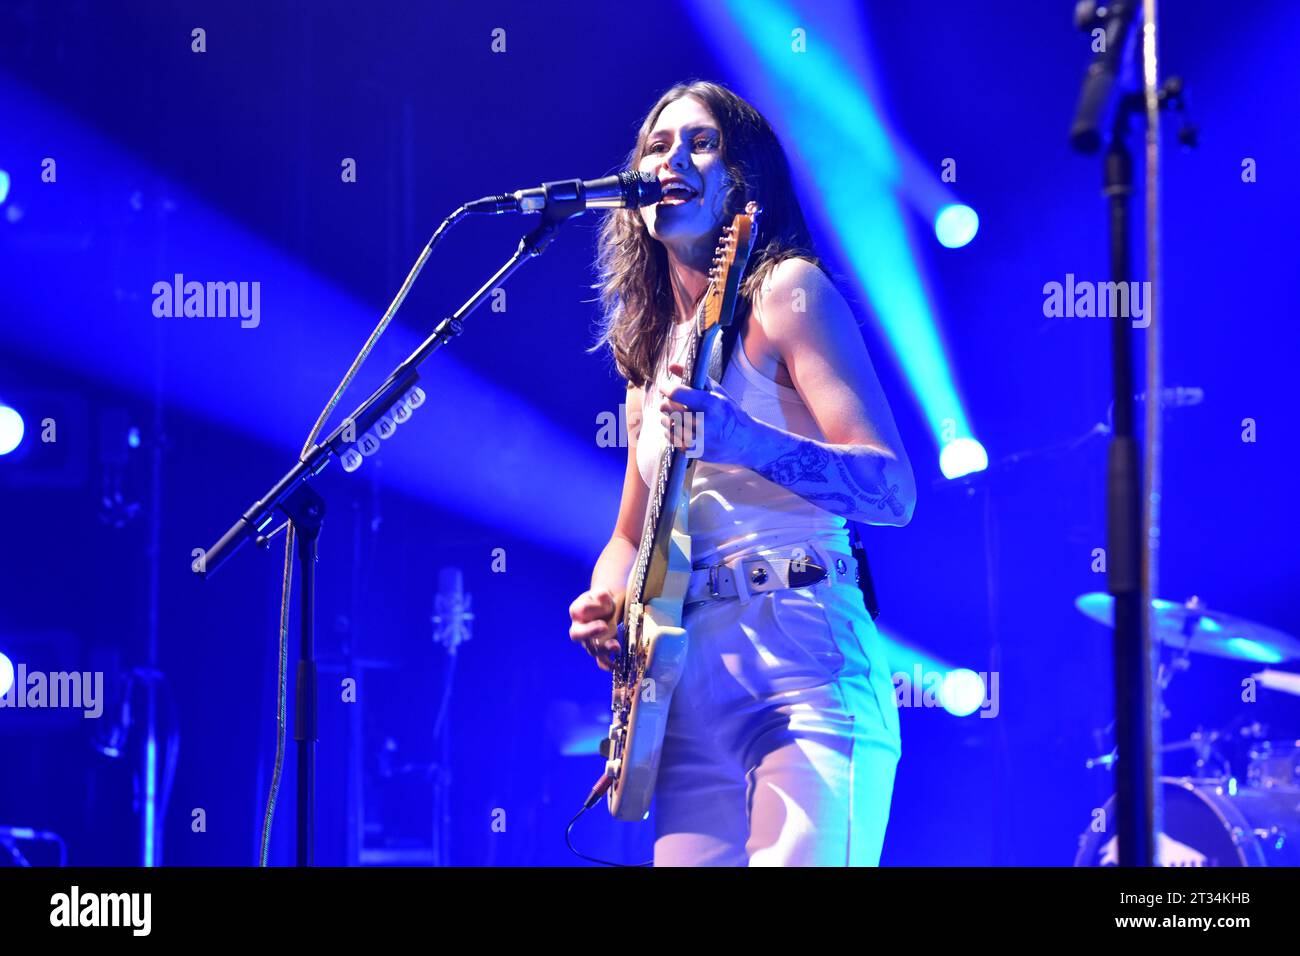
[796, 566]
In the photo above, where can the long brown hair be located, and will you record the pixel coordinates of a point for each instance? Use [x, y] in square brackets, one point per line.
[632, 266]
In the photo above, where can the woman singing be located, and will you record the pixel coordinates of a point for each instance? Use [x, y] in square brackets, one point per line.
[782, 736]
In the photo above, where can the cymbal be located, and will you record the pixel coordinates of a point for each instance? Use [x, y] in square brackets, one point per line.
[1202, 631]
[1283, 681]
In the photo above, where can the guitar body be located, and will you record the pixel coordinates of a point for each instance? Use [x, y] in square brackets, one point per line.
[654, 642]
[654, 628]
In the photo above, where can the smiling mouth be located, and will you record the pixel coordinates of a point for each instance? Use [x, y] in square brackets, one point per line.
[677, 195]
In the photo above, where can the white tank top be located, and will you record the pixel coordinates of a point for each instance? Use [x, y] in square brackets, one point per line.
[733, 510]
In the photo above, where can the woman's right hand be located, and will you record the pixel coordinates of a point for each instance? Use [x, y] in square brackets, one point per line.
[594, 626]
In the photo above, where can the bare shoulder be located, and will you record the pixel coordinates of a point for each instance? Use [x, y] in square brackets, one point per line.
[790, 274]
[797, 300]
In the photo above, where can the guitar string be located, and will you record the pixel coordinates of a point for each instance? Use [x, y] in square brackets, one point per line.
[623, 670]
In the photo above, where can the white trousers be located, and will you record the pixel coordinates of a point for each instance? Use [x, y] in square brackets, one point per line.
[782, 737]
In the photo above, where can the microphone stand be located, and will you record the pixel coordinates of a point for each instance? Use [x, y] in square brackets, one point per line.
[1136, 722]
[303, 506]
[1130, 562]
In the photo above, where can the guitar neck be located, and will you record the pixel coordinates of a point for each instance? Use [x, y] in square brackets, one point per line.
[672, 472]
[674, 469]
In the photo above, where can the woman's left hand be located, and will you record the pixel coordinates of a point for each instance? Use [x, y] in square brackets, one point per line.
[706, 424]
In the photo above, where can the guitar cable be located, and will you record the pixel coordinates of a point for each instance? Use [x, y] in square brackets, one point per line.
[597, 792]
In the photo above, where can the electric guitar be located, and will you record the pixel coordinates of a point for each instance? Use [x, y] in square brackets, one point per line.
[651, 638]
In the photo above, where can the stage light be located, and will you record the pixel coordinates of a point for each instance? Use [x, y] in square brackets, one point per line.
[133, 437]
[571, 475]
[4, 186]
[862, 179]
[962, 692]
[956, 225]
[962, 456]
[11, 429]
[6, 674]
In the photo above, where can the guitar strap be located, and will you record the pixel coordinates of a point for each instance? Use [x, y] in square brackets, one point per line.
[719, 356]
[865, 582]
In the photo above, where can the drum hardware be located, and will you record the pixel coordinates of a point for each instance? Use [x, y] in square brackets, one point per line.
[1209, 823]
[1209, 820]
[1211, 763]
[1275, 765]
[1193, 627]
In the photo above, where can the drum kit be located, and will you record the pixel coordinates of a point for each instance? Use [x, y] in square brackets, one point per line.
[1215, 816]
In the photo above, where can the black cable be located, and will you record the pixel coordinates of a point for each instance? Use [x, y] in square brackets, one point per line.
[568, 841]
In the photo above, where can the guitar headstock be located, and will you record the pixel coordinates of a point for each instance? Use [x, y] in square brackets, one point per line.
[729, 261]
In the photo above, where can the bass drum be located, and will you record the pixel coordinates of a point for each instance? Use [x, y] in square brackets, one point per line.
[1207, 824]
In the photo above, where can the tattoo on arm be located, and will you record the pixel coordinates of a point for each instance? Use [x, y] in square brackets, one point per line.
[806, 463]
[881, 493]
[809, 463]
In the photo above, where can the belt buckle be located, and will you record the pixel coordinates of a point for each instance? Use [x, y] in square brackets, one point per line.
[806, 571]
[807, 575]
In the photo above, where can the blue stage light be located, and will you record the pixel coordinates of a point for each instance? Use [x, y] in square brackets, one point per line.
[826, 102]
[956, 225]
[11, 429]
[6, 674]
[133, 437]
[572, 475]
[4, 186]
[962, 456]
[962, 692]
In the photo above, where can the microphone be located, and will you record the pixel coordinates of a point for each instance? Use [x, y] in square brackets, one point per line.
[627, 190]
[1115, 19]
